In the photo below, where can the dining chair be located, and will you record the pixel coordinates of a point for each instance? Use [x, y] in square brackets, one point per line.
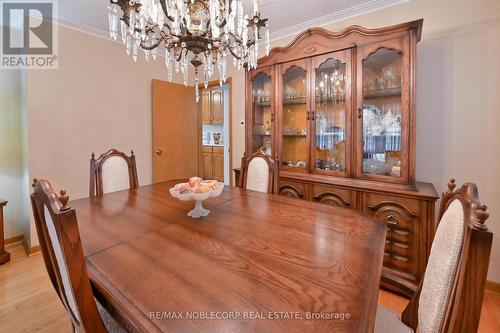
[57, 230]
[258, 172]
[112, 171]
[449, 298]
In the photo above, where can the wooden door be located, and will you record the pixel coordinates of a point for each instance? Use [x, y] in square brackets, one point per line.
[382, 122]
[207, 165]
[217, 107]
[206, 107]
[218, 165]
[175, 131]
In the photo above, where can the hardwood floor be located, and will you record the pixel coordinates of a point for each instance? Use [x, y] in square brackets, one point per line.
[28, 303]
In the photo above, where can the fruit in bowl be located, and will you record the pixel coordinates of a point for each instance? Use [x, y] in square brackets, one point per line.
[196, 185]
[197, 189]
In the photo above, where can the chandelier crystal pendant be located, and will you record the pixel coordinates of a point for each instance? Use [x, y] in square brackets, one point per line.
[201, 32]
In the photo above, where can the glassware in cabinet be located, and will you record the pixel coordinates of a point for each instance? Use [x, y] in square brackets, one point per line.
[262, 112]
[332, 94]
[383, 112]
[294, 116]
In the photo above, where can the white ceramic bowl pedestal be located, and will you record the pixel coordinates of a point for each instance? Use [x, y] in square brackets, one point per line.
[198, 210]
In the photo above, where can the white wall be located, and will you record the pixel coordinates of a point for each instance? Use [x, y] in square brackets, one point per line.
[98, 99]
[458, 74]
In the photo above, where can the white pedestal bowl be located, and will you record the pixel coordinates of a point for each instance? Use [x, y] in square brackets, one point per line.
[198, 210]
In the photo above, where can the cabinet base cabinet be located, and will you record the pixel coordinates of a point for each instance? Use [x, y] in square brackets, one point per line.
[408, 215]
[218, 166]
[212, 163]
[333, 196]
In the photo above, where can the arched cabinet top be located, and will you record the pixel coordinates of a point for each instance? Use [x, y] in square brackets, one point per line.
[267, 71]
[300, 64]
[317, 41]
[395, 45]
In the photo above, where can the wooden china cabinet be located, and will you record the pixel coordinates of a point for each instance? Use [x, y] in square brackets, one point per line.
[337, 110]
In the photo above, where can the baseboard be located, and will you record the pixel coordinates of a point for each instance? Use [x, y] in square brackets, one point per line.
[15, 239]
[492, 286]
[31, 250]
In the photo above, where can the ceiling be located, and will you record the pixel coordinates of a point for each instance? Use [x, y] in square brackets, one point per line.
[286, 17]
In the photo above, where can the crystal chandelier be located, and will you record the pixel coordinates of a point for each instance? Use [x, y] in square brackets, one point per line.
[200, 32]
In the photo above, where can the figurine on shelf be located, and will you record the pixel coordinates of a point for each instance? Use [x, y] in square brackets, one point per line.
[396, 169]
[268, 128]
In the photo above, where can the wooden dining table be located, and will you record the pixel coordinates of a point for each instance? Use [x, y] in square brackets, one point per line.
[257, 263]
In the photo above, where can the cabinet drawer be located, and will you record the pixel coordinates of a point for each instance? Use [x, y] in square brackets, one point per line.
[404, 218]
[333, 196]
[206, 149]
[293, 189]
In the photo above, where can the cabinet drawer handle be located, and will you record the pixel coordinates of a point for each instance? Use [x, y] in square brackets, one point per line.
[391, 219]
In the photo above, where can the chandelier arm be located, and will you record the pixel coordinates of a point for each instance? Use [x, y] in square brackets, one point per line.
[150, 28]
[165, 25]
[152, 46]
[180, 55]
[163, 4]
[169, 28]
[233, 54]
[236, 38]
[165, 38]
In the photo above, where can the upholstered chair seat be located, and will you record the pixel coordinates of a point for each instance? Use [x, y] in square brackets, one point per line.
[388, 321]
[111, 325]
[453, 276]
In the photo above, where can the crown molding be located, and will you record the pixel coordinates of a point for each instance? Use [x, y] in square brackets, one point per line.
[337, 16]
[85, 28]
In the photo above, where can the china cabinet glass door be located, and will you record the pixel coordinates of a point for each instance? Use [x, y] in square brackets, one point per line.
[294, 116]
[383, 114]
[262, 113]
[330, 130]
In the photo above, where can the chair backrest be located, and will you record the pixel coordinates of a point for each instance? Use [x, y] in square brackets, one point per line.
[259, 172]
[112, 171]
[57, 230]
[449, 299]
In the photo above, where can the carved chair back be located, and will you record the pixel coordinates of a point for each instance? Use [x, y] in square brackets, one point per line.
[450, 296]
[112, 171]
[259, 172]
[57, 230]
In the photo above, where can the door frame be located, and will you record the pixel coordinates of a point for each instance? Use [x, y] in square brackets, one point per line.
[212, 84]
